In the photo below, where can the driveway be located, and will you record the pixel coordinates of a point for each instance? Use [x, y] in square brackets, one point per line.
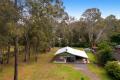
[84, 68]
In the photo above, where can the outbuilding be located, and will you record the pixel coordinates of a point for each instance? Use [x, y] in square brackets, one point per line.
[70, 55]
[117, 53]
[117, 48]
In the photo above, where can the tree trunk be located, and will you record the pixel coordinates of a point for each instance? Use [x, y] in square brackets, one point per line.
[36, 57]
[36, 54]
[8, 54]
[94, 47]
[16, 58]
[27, 49]
[27, 52]
[16, 52]
[1, 61]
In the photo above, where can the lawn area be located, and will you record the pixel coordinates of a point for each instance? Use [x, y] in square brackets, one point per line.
[92, 57]
[43, 70]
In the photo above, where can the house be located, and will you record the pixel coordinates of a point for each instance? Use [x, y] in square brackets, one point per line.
[70, 55]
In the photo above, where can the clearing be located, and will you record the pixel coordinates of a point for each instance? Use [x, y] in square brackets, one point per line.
[46, 70]
[43, 70]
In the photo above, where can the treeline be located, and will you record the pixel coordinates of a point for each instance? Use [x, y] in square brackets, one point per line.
[89, 30]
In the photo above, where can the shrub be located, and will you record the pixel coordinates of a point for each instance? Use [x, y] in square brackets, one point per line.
[104, 45]
[105, 53]
[104, 56]
[113, 69]
[82, 78]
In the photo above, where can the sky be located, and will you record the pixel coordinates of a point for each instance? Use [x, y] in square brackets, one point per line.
[75, 8]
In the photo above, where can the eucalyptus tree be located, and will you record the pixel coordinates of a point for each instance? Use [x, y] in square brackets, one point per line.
[90, 17]
[16, 33]
[16, 30]
[9, 15]
[111, 23]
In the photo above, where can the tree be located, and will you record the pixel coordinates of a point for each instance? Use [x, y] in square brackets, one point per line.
[90, 17]
[111, 23]
[17, 33]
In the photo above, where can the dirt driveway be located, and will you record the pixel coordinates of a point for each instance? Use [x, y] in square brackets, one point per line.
[84, 68]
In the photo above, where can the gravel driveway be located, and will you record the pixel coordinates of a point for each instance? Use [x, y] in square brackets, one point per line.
[84, 68]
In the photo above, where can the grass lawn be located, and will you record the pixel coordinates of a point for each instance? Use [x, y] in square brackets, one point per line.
[42, 70]
[92, 57]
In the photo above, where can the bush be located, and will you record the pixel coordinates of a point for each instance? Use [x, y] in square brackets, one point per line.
[104, 56]
[82, 78]
[105, 53]
[115, 39]
[103, 45]
[113, 69]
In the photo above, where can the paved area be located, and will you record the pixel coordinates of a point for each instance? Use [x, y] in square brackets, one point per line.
[85, 70]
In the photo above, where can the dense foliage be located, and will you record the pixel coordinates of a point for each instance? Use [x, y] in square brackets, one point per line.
[113, 69]
[115, 39]
[104, 53]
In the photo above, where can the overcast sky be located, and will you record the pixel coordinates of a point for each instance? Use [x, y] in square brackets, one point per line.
[75, 8]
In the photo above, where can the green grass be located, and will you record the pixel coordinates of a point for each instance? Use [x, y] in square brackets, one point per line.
[69, 73]
[92, 57]
[42, 70]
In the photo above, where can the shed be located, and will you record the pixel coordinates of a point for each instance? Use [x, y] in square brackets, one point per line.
[117, 48]
[68, 54]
